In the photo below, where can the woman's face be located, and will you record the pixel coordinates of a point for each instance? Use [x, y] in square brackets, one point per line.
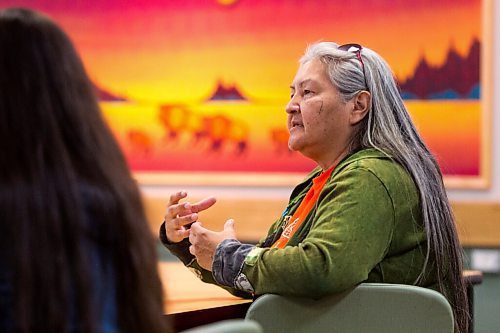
[318, 117]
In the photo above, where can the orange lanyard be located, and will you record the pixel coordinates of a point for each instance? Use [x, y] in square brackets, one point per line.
[293, 224]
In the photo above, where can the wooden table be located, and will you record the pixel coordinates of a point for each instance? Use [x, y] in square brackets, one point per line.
[189, 302]
[472, 278]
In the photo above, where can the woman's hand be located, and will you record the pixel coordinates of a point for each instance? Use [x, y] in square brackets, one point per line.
[179, 215]
[204, 242]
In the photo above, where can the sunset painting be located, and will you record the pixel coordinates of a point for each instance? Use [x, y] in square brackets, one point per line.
[200, 86]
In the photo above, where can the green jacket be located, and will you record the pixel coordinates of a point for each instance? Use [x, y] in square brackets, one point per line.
[365, 227]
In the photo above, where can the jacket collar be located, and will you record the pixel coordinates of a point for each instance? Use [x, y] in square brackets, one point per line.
[351, 158]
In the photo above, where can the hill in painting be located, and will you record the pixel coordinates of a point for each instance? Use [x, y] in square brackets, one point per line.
[107, 96]
[224, 92]
[457, 78]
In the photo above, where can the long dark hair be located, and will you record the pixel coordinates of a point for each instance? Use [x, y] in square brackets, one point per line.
[64, 184]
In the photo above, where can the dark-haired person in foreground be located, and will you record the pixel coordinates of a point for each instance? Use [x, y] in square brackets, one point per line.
[374, 209]
[76, 253]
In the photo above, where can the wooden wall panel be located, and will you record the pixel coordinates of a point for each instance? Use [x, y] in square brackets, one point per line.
[478, 223]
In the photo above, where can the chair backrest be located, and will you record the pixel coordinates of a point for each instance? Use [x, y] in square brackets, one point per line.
[228, 326]
[369, 307]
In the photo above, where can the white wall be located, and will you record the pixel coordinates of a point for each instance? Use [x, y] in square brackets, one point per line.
[491, 194]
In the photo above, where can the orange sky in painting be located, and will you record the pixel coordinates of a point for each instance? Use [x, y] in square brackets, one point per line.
[160, 51]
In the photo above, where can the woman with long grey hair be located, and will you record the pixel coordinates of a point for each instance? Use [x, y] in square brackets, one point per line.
[389, 129]
[374, 210]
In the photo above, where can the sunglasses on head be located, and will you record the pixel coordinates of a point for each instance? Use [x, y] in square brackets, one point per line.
[356, 49]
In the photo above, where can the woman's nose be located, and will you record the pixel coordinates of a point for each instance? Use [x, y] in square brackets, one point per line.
[293, 105]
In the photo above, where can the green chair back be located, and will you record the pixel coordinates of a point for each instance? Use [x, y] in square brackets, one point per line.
[369, 307]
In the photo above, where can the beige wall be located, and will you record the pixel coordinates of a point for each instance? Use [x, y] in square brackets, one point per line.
[478, 223]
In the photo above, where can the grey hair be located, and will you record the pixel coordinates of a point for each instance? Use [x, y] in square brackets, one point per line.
[390, 129]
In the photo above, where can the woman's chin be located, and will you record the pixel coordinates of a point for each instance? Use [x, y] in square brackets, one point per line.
[294, 145]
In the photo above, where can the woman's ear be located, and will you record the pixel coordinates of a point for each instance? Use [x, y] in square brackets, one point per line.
[361, 106]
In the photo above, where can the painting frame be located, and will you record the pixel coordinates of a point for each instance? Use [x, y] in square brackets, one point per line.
[104, 40]
[269, 179]
[483, 181]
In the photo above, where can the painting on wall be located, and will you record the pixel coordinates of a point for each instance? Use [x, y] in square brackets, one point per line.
[195, 90]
